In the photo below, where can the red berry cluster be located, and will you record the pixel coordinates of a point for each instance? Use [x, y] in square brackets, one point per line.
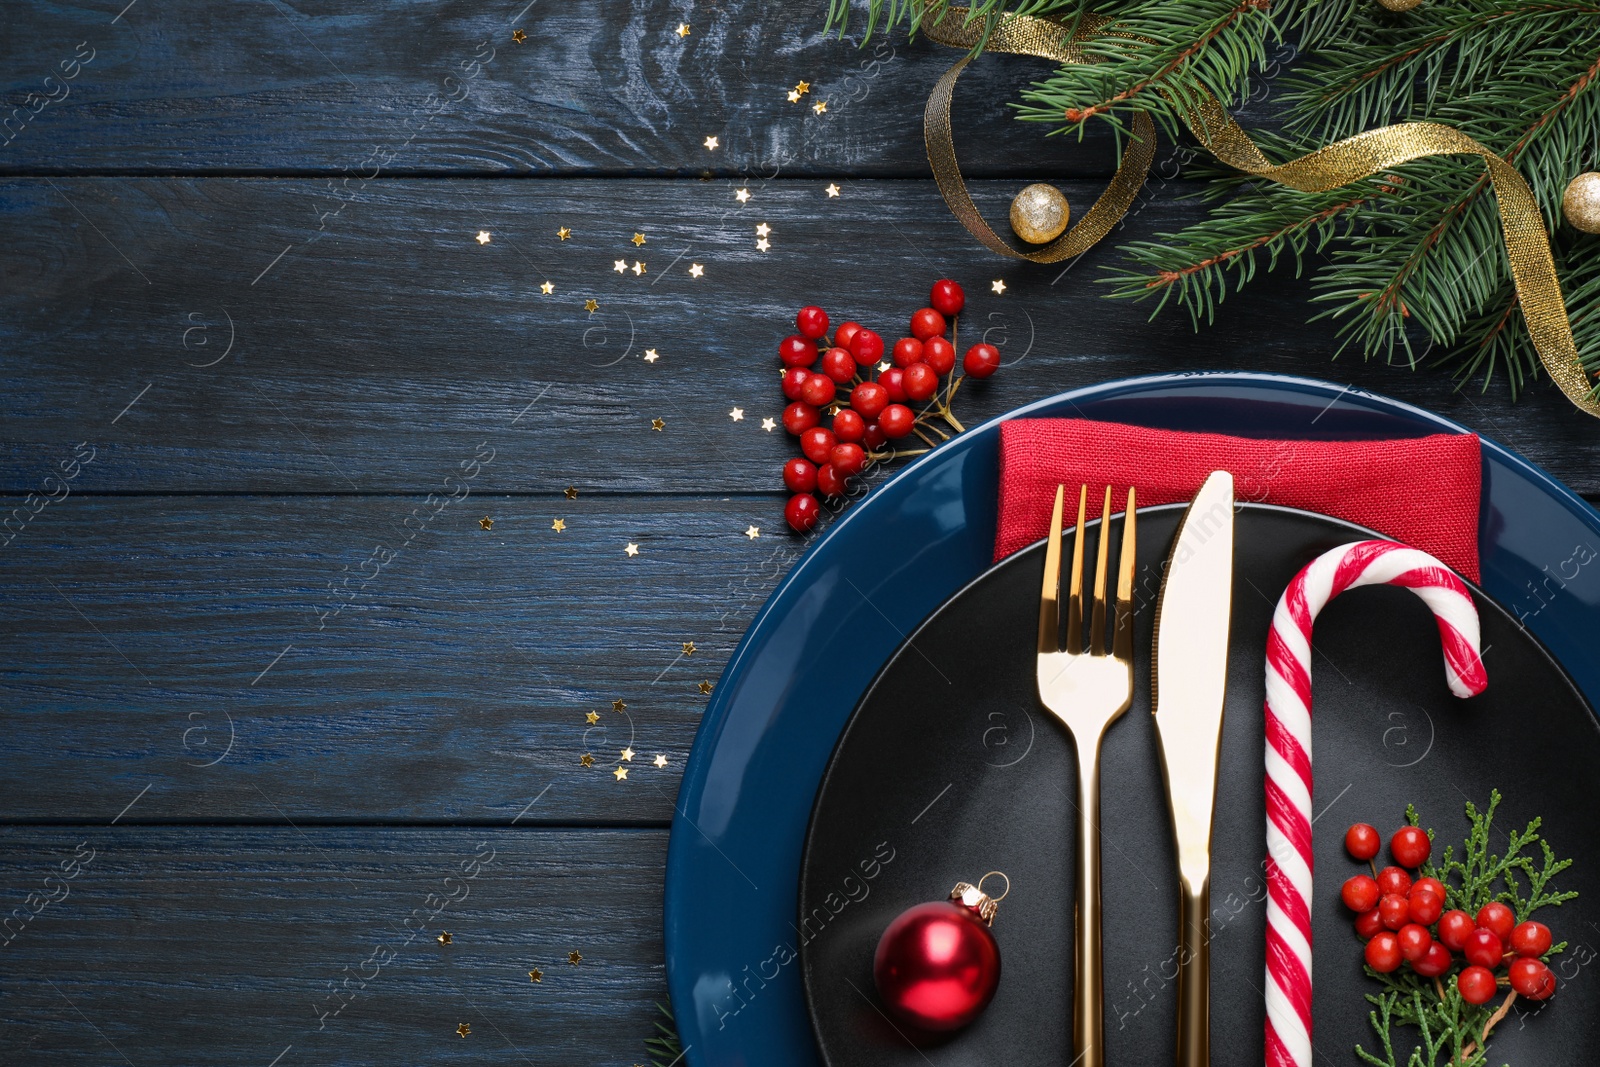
[1404, 921]
[866, 413]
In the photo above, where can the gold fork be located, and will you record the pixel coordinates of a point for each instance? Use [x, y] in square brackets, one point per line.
[1087, 688]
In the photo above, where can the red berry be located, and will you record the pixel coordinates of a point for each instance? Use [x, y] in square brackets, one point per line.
[926, 323]
[920, 381]
[1383, 953]
[796, 351]
[869, 398]
[794, 379]
[802, 511]
[848, 425]
[947, 298]
[981, 361]
[1498, 918]
[1530, 939]
[1368, 923]
[1394, 909]
[1476, 985]
[1360, 893]
[1410, 846]
[893, 381]
[1483, 948]
[829, 481]
[799, 475]
[907, 350]
[1454, 926]
[841, 336]
[1432, 885]
[939, 354]
[838, 365]
[1362, 841]
[1426, 907]
[873, 439]
[1415, 941]
[1532, 979]
[848, 458]
[896, 421]
[1394, 880]
[817, 444]
[866, 346]
[799, 417]
[1435, 963]
[818, 391]
[812, 322]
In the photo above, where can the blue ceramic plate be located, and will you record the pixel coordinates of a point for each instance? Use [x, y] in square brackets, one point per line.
[891, 560]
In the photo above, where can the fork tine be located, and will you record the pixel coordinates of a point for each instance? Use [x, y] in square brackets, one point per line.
[1050, 594]
[1122, 643]
[1075, 588]
[1097, 626]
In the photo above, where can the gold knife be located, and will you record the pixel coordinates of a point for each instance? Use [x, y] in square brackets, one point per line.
[1191, 674]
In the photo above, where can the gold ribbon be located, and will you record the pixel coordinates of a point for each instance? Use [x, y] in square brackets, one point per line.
[1533, 270]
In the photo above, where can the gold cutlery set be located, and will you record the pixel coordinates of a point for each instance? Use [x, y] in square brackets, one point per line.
[1086, 681]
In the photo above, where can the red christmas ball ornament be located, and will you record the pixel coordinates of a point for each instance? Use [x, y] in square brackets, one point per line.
[937, 964]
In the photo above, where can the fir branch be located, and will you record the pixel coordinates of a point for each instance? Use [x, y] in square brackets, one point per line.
[665, 1048]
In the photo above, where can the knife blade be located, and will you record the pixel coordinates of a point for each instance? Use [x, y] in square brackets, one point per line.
[1190, 679]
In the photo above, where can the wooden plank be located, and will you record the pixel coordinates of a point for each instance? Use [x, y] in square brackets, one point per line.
[257, 946]
[378, 353]
[607, 88]
[250, 659]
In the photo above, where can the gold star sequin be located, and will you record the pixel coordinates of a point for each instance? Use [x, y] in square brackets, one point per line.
[617, 705]
[638, 268]
[820, 106]
[705, 687]
[486, 523]
[658, 424]
[832, 189]
[632, 549]
[752, 532]
[763, 229]
[444, 937]
[621, 773]
[682, 30]
[592, 717]
[696, 270]
[563, 233]
[591, 305]
[769, 424]
[547, 288]
[586, 760]
[536, 974]
[660, 761]
[803, 87]
[794, 97]
[572, 492]
[483, 237]
[998, 285]
[559, 525]
[651, 355]
[737, 414]
[688, 648]
[743, 196]
[574, 957]
[638, 239]
[711, 144]
[628, 754]
[463, 1030]
[763, 244]
[518, 36]
[620, 266]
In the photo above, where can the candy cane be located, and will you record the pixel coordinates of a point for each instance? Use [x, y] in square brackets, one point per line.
[1288, 751]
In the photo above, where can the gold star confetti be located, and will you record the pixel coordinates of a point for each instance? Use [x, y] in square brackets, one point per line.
[705, 687]
[638, 239]
[820, 106]
[463, 1030]
[536, 974]
[696, 270]
[658, 424]
[763, 244]
[638, 268]
[711, 144]
[743, 196]
[651, 355]
[628, 754]
[998, 285]
[621, 773]
[769, 424]
[752, 532]
[632, 549]
[572, 492]
[683, 29]
[591, 305]
[832, 190]
[794, 97]
[737, 414]
[574, 957]
[563, 233]
[518, 36]
[444, 937]
[688, 648]
[547, 288]
[660, 761]
[620, 266]
[885, 365]
[617, 705]
[559, 525]
[486, 523]
[803, 87]
[592, 717]
[483, 237]
[763, 229]
[586, 760]
[834, 409]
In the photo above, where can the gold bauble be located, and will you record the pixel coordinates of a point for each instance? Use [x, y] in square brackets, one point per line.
[1039, 214]
[1400, 5]
[1580, 204]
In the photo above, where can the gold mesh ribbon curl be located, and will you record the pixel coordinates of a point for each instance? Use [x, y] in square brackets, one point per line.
[1533, 270]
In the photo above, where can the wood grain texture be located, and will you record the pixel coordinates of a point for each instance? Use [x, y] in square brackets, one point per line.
[226, 946]
[375, 353]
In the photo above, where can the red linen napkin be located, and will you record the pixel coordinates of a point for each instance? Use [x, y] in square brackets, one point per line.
[1422, 491]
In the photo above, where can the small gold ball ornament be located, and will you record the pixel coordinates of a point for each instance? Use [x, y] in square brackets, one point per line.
[1400, 5]
[1580, 204]
[1039, 214]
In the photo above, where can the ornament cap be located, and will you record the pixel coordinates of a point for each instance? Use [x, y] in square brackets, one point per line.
[975, 899]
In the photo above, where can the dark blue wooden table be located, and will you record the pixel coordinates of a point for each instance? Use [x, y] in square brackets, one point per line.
[323, 474]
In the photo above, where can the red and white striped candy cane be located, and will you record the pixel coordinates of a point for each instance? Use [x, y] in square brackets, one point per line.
[1288, 777]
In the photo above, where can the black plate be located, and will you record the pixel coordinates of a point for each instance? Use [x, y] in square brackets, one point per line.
[949, 768]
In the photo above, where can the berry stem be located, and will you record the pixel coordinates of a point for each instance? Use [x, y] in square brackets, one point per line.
[1483, 1038]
